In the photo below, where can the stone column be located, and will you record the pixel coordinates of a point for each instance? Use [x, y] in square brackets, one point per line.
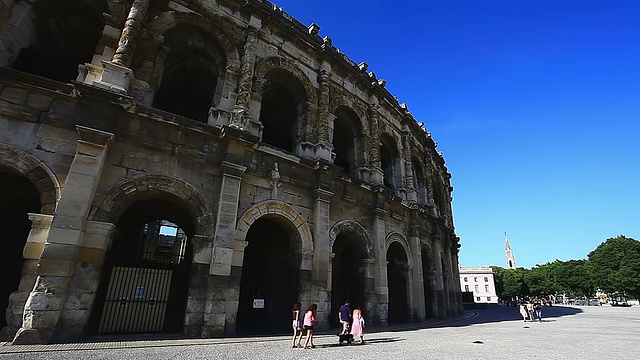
[324, 147]
[85, 280]
[321, 272]
[409, 181]
[32, 250]
[433, 209]
[381, 289]
[417, 283]
[440, 286]
[369, 288]
[117, 74]
[456, 280]
[374, 146]
[61, 251]
[223, 292]
[241, 115]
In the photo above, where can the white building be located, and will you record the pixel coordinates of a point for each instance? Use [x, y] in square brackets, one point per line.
[479, 281]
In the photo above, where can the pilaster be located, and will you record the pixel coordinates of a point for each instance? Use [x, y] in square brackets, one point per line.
[223, 285]
[381, 289]
[374, 146]
[321, 271]
[241, 115]
[417, 283]
[61, 251]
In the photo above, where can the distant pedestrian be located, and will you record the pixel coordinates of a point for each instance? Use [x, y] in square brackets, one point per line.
[345, 317]
[297, 325]
[523, 312]
[537, 307]
[357, 329]
[529, 306]
[309, 320]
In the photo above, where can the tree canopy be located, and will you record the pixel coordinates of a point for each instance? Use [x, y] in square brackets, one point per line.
[614, 266]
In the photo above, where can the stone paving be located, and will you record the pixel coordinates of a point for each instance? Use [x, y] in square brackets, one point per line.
[565, 333]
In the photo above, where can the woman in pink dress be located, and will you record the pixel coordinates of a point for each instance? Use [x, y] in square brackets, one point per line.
[357, 328]
[309, 320]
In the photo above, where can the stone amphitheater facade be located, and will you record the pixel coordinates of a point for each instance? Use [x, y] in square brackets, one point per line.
[197, 167]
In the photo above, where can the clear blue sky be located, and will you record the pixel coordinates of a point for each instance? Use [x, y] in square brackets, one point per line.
[535, 104]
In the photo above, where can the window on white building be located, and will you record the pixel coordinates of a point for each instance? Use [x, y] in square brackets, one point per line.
[486, 279]
[486, 288]
[475, 279]
[465, 279]
[466, 288]
[478, 298]
[477, 288]
[489, 298]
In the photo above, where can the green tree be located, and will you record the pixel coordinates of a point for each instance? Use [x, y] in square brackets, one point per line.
[541, 279]
[510, 282]
[615, 265]
[574, 277]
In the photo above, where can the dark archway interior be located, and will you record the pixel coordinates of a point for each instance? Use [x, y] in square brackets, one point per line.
[437, 197]
[386, 161]
[140, 245]
[397, 278]
[420, 181]
[269, 272]
[347, 273]
[66, 34]
[18, 197]
[428, 288]
[388, 157]
[344, 139]
[282, 110]
[192, 68]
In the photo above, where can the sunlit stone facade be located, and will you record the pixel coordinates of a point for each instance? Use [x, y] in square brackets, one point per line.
[290, 170]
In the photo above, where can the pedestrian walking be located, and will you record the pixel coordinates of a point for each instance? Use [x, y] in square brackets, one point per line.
[345, 317]
[537, 307]
[530, 311]
[297, 325]
[357, 329]
[309, 320]
[523, 312]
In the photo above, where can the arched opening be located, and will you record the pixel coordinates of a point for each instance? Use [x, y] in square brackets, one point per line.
[348, 274]
[420, 181]
[269, 283]
[283, 110]
[194, 62]
[18, 197]
[145, 279]
[59, 35]
[438, 197]
[346, 138]
[390, 162]
[397, 277]
[427, 276]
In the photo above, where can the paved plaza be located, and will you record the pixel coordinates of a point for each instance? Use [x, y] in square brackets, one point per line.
[565, 333]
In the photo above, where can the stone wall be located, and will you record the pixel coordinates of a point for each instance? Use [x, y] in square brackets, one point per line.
[104, 145]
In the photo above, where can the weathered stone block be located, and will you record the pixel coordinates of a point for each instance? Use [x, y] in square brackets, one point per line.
[51, 267]
[19, 112]
[57, 251]
[14, 95]
[38, 101]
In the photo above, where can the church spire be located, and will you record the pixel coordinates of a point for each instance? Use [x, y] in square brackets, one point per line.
[511, 260]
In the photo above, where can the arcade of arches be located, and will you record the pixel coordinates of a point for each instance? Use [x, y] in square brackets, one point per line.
[169, 171]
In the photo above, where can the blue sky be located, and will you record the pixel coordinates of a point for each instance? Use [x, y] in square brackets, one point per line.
[535, 104]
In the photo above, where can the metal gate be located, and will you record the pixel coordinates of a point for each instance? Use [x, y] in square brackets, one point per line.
[145, 288]
[136, 300]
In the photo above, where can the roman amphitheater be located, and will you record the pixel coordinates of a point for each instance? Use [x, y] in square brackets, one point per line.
[196, 167]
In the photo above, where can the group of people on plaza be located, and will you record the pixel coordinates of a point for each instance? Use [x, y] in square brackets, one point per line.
[351, 323]
[531, 310]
